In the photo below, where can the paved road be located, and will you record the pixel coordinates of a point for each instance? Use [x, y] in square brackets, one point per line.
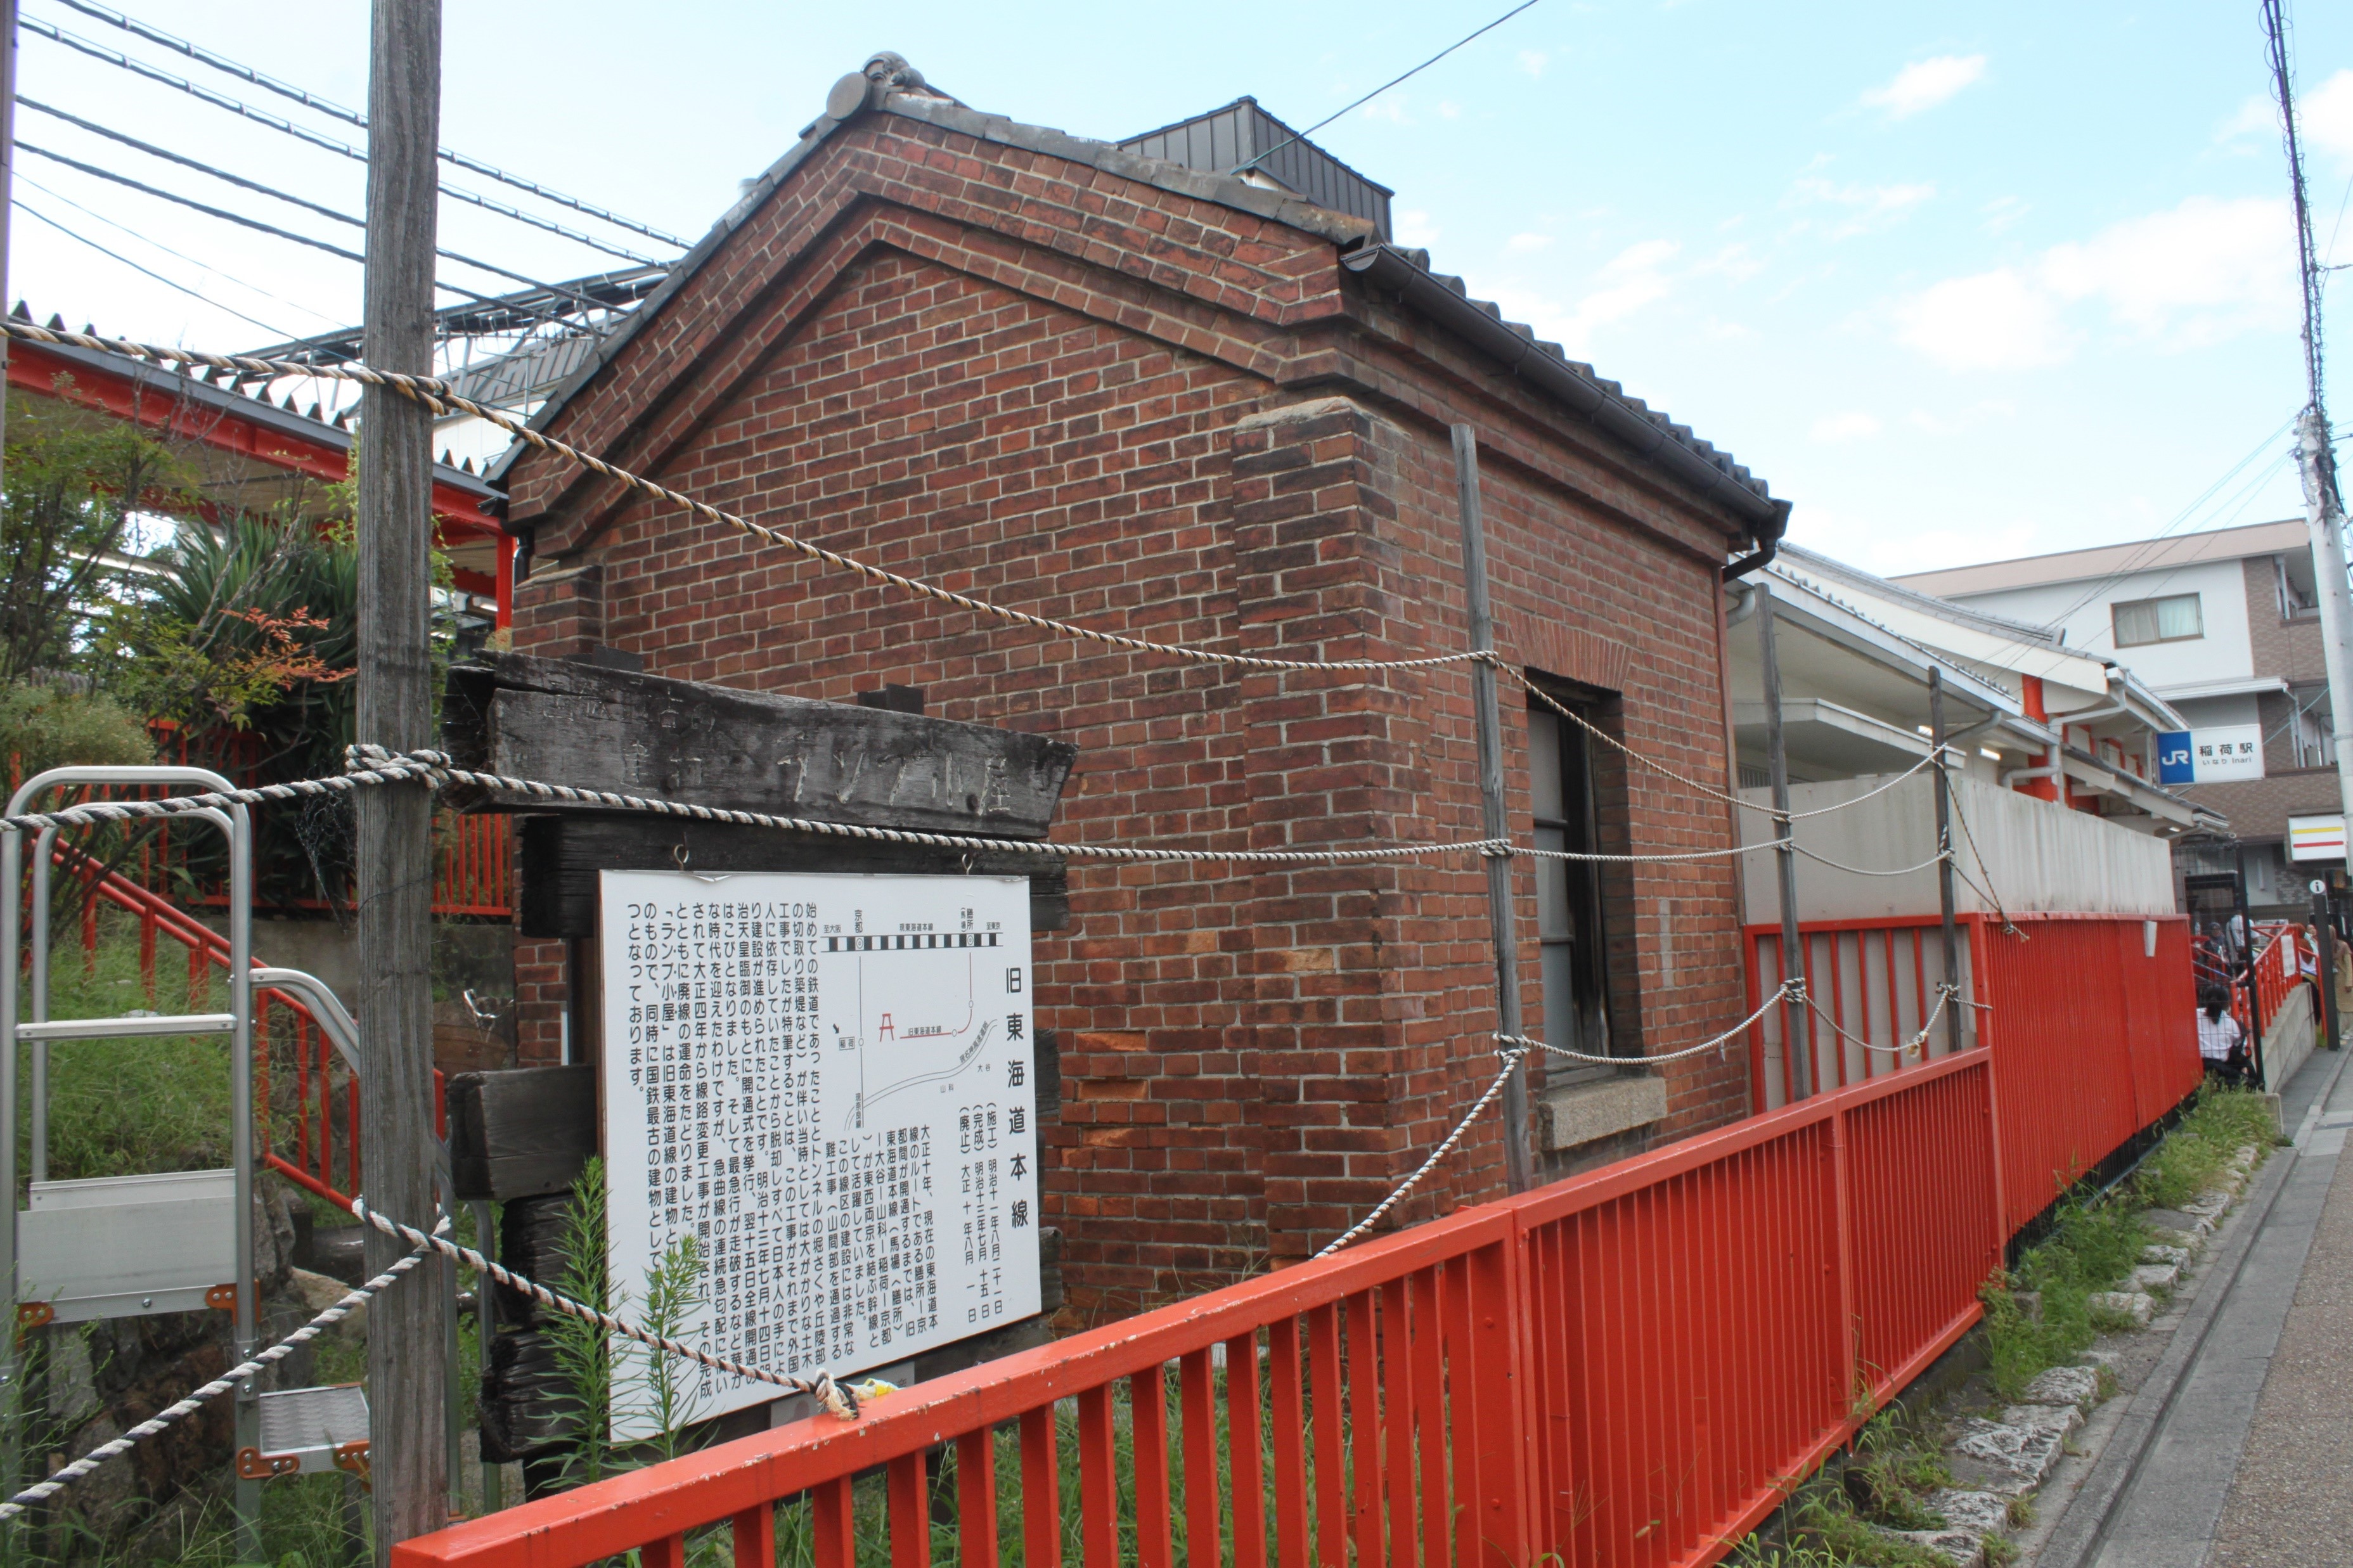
[2262, 1424]
[2292, 1504]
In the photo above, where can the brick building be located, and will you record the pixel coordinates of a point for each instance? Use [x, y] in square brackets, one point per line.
[1191, 406]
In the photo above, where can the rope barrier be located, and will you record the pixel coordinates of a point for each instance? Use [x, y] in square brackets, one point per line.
[33, 1496]
[1512, 1056]
[1944, 993]
[1936, 859]
[1787, 988]
[436, 397]
[836, 1397]
[435, 769]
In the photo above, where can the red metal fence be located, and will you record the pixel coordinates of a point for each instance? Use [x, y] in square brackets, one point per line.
[1628, 1368]
[316, 1143]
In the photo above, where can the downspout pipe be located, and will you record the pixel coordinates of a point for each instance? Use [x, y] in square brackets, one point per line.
[1743, 605]
[1642, 433]
[1768, 545]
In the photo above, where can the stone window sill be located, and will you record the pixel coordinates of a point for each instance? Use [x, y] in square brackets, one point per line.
[1599, 1108]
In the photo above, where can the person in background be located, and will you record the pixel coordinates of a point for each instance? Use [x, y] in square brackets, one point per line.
[2221, 1042]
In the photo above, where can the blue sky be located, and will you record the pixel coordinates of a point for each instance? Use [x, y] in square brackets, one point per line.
[1961, 281]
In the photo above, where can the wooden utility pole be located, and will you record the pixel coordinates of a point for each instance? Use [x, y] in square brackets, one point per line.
[1945, 865]
[1518, 1163]
[1796, 1037]
[407, 1325]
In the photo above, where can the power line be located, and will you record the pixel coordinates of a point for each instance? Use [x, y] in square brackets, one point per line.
[353, 116]
[272, 229]
[276, 194]
[18, 203]
[301, 133]
[1369, 98]
[196, 262]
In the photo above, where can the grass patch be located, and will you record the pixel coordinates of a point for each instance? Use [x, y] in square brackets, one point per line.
[2196, 1155]
[127, 1106]
[1895, 1469]
[2097, 1239]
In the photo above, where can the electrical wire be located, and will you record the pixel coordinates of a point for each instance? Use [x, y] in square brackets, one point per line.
[18, 203]
[272, 192]
[147, 239]
[272, 229]
[228, 67]
[327, 143]
[1369, 98]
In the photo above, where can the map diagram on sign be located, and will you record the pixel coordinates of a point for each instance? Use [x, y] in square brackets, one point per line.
[819, 1086]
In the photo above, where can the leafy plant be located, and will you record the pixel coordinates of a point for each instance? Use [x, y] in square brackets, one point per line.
[74, 482]
[582, 1353]
[48, 725]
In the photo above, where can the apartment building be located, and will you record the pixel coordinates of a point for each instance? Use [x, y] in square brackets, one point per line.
[2224, 627]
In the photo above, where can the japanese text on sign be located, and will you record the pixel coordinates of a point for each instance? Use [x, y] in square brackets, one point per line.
[823, 1080]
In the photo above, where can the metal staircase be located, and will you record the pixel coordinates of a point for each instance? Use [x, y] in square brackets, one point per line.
[120, 1247]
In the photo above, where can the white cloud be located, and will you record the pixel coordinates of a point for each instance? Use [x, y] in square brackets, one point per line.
[2259, 115]
[1993, 321]
[1924, 84]
[1735, 261]
[2326, 115]
[1413, 226]
[1851, 425]
[2201, 272]
[1872, 206]
[1635, 278]
[1526, 244]
[2204, 272]
[1534, 61]
[1449, 110]
[2002, 212]
[1392, 110]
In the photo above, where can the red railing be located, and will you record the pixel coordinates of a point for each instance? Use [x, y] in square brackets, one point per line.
[325, 1091]
[1628, 1368]
[1877, 981]
[2119, 989]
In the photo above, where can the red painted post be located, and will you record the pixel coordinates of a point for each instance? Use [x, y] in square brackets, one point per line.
[669, 1552]
[837, 1526]
[1245, 1451]
[1098, 1477]
[1330, 1419]
[911, 1513]
[1147, 1402]
[1041, 1491]
[1290, 1434]
[756, 1539]
[1196, 1409]
[976, 1503]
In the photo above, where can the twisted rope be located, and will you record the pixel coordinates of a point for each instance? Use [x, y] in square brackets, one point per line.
[1861, 871]
[1511, 1056]
[435, 769]
[41, 1492]
[1945, 993]
[1788, 988]
[436, 395]
[836, 1397]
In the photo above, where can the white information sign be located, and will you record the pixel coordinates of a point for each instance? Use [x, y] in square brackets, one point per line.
[2229, 753]
[826, 1081]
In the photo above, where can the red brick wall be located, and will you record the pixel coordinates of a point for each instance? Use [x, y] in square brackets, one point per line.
[1251, 1056]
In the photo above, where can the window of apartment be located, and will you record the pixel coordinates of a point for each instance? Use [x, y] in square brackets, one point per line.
[2299, 599]
[2174, 619]
[1569, 924]
[2309, 728]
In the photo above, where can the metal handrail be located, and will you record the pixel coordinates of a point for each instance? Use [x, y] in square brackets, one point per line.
[236, 824]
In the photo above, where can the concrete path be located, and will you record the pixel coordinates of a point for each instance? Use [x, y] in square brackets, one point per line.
[2271, 1384]
[2292, 1504]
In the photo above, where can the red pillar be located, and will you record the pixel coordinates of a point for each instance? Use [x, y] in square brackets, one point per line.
[2031, 691]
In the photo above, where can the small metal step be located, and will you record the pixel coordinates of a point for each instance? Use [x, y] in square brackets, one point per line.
[307, 1431]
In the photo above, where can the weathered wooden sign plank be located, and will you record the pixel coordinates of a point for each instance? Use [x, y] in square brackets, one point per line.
[559, 856]
[582, 724]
